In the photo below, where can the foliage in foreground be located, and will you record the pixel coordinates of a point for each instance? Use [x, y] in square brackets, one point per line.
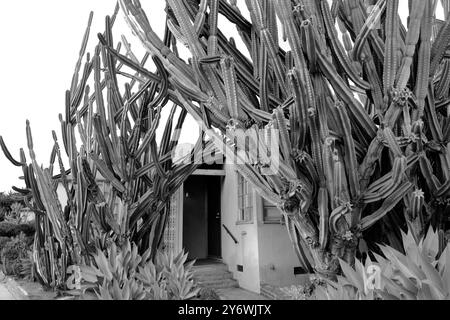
[421, 273]
[9, 229]
[120, 273]
[207, 293]
[15, 257]
[301, 292]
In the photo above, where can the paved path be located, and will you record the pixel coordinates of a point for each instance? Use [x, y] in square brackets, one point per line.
[238, 294]
[4, 293]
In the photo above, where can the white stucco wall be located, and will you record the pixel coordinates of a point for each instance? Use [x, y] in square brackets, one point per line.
[244, 253]
[277, 258]
[264, 250]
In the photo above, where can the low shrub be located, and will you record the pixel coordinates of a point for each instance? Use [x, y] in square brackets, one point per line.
[2, 214]
[3, 242]
[12, 255]
[206, 293]
[298, 292]
[9, 229]
[27, 267]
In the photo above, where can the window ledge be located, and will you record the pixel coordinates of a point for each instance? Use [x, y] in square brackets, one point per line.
[274, 222]
[241, 223]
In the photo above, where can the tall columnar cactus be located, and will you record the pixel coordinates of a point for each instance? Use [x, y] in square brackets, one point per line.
[364, 123]
[118, 145]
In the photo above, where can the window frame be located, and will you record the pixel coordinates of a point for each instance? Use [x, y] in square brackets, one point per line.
[267, 219]
[245, 201]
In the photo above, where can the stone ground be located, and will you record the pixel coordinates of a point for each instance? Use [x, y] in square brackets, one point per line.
[4, 292]
[35, 292]
[225, 294]
[238, 294]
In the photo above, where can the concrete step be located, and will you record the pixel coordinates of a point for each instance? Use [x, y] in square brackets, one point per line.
[220, 284]
[213, 276]
[210, 268]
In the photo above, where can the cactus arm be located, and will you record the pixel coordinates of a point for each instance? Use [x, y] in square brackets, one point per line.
[338, 50]
[8, 154]
[427, 172]
[352, 169]
[231, 87]
[442, 89]
[213, 22]
[324, 217]
[440, 46]
[415, 19]
[387, 205]
[382, 190]
[81, 54]
[423, 69]
[107, 173]
[300, 115]
[201, 16]
[391, 46]
[187, 27]
[366, 30]
[392, 142]
[284, 12]
[345, 94]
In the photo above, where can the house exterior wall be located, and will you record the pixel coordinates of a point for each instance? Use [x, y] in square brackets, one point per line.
[245, 253]
[264, 249]
[277, 258]
[27, 216]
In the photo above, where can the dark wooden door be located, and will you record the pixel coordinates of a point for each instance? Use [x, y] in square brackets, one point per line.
[214, 217]
[195, 218]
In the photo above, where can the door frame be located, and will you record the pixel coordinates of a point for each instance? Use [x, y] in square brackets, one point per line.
[178, 198]
[178, 211]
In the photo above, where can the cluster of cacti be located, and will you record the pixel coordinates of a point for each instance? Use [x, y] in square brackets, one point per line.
[360, 101]
[363, 122]
[422, 274]
[118, 144]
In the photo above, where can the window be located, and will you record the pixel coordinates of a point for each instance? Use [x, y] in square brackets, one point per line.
[245, 198]
[271, 214]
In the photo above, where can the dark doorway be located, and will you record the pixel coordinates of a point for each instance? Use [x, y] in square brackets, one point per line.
[214, 218]
[201, 217]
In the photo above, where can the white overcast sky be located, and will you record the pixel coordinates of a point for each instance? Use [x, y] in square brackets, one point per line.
[40, 45]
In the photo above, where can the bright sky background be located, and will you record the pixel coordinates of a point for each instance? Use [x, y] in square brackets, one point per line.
[41, 42]
[40, 45]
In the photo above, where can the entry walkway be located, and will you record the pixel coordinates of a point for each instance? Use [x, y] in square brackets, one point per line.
[238, 294]
[4, 293]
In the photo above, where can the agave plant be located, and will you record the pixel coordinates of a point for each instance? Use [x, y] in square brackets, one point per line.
[123, 274]
[423, 273]
[117, 143]
[111, 275]
[170, 277]
[360, 102]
